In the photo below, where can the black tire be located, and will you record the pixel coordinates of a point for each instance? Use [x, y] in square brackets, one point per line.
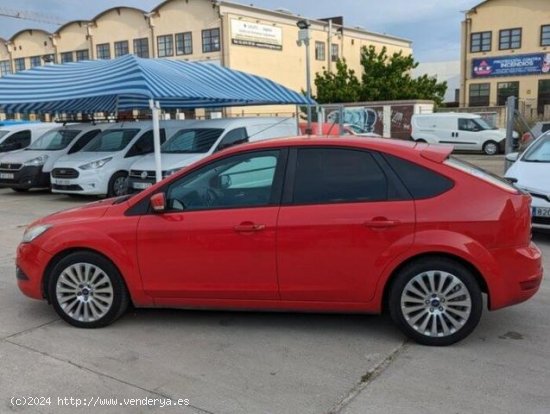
[449, 272]
[491, 148]
[20, 190]
[119, 298]
[113, 189]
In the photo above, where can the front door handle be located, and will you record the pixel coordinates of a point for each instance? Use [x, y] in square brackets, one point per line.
[248, 227]
[381, 223]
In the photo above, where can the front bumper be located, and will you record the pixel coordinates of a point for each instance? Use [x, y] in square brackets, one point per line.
[25, 178]
[540, 222]
[88, 182]
[519, 278]
[31, 264]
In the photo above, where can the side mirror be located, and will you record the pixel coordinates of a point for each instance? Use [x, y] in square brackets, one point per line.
[158, 202]
[512, 157]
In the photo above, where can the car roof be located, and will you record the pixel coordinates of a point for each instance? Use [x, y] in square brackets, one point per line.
[84, 127]
[449, 114]
[225, 123]
[31, 126]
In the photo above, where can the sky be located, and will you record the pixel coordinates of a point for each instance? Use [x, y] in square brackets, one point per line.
[432, 25]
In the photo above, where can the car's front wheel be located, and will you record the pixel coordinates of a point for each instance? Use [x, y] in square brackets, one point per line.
[118, 185]
[490, 148]
[87, 290]
[435, 301]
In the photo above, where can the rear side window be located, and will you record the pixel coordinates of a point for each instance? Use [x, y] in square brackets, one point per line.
[421, 182]
[338, 176]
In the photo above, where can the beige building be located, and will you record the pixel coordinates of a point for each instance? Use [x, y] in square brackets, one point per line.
[247, 38]
[505, 52]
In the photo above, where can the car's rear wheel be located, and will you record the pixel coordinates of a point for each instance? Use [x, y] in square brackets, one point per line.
[87, 291]
[118, 184]
[435, 301]
[490, 148]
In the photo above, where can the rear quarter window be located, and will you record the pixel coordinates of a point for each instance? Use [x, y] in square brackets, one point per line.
[421, 182]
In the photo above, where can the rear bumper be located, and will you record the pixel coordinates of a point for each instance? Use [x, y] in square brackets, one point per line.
[25, 178]
[520, 276]
[31, 264]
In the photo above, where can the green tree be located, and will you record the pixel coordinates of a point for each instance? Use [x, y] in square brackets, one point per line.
[384, 78]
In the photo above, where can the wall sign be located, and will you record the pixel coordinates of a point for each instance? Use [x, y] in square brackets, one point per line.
[533, 64]
[256, 35]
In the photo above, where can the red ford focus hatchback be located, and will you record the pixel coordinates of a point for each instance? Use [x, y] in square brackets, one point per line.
[337, 225]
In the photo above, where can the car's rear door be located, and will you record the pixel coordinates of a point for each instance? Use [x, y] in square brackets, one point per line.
[344, 217]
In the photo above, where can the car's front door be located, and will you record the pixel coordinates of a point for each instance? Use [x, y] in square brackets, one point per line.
[468, 135]
[342, 220]
[217, 238]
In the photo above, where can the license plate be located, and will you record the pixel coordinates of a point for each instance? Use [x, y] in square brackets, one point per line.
[141, 186]
[541, 211]
[6, 176]
[61, 182]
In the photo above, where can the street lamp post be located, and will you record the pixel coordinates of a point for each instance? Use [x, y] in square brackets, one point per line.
[304, 38]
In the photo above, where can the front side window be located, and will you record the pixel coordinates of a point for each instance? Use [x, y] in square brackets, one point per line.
[233, 137]
[19, 64]
[36, 61]
[211, 40]
[545, 35]
[141, 48]
[481, 42]
[510, 39]
[5, 68]
[112, 140]
[82, 55]
[239, 181]
[103, 51]
[480, 94]
[84, 140]
[66, 57]
[334, 175]
[54, 140]
[468, 124]
[320, 51]
[184, 43]
[192, 141]
[121, 48]
[146, 144]
[165, 45]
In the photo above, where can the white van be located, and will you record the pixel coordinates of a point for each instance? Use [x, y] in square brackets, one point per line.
[30, 168]
[18, 136]
[199, 139]
[101, 167]
[465, 131]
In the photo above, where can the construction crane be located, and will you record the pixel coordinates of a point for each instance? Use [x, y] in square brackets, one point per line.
[29, 15]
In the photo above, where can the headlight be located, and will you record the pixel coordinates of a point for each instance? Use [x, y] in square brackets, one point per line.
[169, 172]
[36, 162]
[33, 232]
[96, 164]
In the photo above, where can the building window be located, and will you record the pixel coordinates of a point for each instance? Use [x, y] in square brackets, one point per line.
[121, 48]
[544, 95]
[510, 39]
[505, 90]
[545, 35]
[103, 51]
[165, 45]
[19, 64]
[320, 51]
[141, 48]
[82, 55]
[211, 40]
[184, 43]
[5, 68]
[334, 52]
[481, 42]
[36, 61]
[479, 94]
[66, 57]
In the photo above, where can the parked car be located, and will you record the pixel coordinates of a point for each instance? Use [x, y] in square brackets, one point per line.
[101, 167]
[20, 135]
[464, 131]
[30, 168]
[531, 173]
[337, 225]
[201, 138]
[538, 129]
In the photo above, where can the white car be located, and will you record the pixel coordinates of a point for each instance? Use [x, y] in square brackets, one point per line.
[18, 136]
[31, 167]
[201, 138]
[101, 167]
[531, 173]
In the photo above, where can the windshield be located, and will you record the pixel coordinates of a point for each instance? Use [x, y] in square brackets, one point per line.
[54, 140]
[191, 141]
[112, 140]
[539, 151]
[4, 133]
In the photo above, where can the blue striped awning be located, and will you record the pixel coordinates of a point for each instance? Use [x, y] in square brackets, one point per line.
[130, 82]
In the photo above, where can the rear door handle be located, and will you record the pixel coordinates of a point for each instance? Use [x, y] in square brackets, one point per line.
[381, 223]
[249, 227]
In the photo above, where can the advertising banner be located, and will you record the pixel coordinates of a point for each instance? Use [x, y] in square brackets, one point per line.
[256, 35]
[532, 64]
